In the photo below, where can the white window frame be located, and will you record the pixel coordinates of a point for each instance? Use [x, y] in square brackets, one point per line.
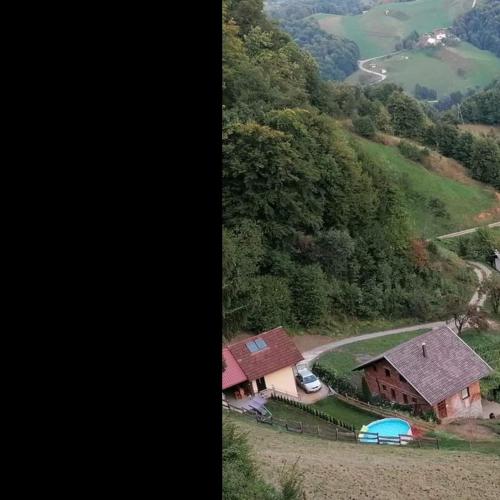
[468, 393]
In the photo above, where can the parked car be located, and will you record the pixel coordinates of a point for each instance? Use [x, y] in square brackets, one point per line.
[307, 380]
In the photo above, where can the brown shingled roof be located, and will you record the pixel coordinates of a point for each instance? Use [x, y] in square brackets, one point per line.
[279, 353]
[449, 366]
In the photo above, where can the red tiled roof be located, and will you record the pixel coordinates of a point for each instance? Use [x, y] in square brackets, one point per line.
[449, 365]
[279, 353]
[233, 374]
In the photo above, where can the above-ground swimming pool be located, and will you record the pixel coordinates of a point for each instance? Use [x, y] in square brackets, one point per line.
[390, 428]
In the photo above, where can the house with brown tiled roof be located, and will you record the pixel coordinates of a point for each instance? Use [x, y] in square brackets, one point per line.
[264, 361]
[435, 371]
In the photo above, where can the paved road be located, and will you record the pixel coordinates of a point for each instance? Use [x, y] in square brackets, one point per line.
[381, 75]
[466, 231]
[309, 356]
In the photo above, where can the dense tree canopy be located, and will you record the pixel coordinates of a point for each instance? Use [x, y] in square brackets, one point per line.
[337, 57]
[481, 26]
[313, 227]
[484, 106]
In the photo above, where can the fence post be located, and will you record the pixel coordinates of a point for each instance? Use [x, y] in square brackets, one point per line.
[286, 425]
[419, 443]
[437, 443]
[355, 438]
[318, 429]
[301, 427]
[378, 439]
[336, 433]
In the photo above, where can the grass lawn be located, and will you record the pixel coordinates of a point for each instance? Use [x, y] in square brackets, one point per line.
[419, 186]
[345, 358]
[437, 68]
[329, 405]
[377, 33]
[342, 411]
[291, 413]
[451, 442]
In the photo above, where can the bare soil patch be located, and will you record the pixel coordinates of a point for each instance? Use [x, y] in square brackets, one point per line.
[345, 471]
[308, 342]
[469, 429]
[480, 129]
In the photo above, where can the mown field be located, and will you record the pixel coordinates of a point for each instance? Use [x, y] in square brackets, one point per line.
[446, 69]
[346, 471]
[377, 33]
[464, 202]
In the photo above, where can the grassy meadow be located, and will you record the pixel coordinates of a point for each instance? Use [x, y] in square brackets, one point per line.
[463, 201]
[446, 69]
[377, 33]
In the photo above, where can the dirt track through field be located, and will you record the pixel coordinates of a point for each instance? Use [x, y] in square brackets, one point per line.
[343, 471]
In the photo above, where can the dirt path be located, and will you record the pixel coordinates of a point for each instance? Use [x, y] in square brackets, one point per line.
[310, 355]
[382, 77]
[352, 471]
[466, 231]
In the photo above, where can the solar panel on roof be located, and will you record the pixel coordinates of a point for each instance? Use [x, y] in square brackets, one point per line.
[260, 343]
[252, 347]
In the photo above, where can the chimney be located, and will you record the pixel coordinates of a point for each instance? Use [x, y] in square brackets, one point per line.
[424, 352]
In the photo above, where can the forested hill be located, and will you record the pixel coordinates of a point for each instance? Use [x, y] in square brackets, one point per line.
[336, 56]
[481, 26]
[313, 227]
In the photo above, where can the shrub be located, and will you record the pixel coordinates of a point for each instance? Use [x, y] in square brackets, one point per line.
[412, 152]
[438, 208]
[363, 125]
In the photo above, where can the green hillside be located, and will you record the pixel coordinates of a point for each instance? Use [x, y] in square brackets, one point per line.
[445, 69]
[377, 33]
[421, 186]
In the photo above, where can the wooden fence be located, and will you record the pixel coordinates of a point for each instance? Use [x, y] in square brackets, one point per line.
[383, 412]
[332, 432]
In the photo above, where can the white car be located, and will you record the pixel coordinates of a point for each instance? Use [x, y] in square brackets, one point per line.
[307, 380]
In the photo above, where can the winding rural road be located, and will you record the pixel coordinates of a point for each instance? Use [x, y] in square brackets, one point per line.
[381, 75]
[481, 272]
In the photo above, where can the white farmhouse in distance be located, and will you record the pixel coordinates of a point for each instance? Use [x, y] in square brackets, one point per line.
[431, 41]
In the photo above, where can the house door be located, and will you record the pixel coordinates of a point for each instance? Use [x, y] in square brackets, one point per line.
[261, 384]
[442, 409]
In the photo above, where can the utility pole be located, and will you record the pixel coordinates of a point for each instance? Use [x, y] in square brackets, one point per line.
[460, 113]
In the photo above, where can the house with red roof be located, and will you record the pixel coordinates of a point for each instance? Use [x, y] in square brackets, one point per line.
[264, 361]
[436, 371]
